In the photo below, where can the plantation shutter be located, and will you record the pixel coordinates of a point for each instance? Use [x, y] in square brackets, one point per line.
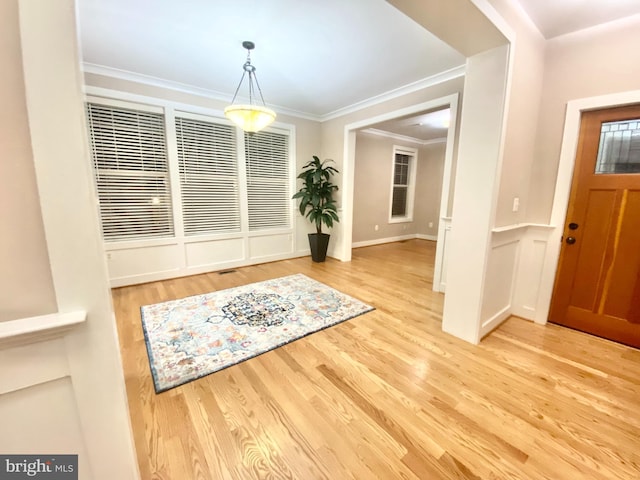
[208, 176]
[131, 172]
[267, 162]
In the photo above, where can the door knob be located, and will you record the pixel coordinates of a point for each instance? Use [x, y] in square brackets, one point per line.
[571, 240]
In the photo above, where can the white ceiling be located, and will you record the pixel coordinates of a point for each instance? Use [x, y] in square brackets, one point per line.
[426, 126]
[313, 58]
[558, 17]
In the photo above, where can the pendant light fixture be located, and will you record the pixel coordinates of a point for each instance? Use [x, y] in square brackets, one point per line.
[250, 117]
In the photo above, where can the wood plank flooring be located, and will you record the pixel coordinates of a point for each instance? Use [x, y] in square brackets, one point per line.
[387, 395]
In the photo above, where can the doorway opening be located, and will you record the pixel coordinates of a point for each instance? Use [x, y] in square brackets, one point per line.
[351, 130]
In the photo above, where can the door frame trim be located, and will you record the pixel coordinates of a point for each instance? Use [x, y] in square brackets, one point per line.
[563, 186]
[350, 129]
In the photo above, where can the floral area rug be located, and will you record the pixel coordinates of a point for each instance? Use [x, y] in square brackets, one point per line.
[195, 336]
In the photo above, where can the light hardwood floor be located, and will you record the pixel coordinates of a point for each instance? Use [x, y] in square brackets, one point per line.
[387, 395]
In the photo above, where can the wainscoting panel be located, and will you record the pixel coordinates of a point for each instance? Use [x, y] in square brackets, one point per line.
[30, 366]
[267, 246]
[148, 261]
[526, 298]
[499, 280]
[527, 301]
[38, 404]
[214, 252]
[514, 274]
[36, 416]
[143, 264]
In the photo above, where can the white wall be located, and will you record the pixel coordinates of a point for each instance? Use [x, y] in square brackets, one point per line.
[473, 205]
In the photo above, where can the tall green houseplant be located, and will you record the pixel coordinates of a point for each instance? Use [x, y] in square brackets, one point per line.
[317, 203]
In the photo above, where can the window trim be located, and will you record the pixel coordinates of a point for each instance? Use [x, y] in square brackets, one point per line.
[411, 186]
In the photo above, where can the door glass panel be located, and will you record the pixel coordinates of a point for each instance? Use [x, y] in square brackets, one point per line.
[619, 150]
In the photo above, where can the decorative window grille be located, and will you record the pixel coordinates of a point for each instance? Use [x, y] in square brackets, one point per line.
[268, 192]
[207, 158]
[619, 149]
[131, 172]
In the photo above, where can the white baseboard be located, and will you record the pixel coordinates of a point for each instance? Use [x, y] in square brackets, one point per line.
[493, 322]
[421, 236]
[380, 241]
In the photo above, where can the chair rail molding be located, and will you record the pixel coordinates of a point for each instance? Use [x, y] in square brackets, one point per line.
[29, 330]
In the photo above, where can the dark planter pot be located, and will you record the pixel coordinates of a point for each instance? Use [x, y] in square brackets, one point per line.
[319, 243]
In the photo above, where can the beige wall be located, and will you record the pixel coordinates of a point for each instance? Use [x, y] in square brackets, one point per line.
[26, 288]
[372, 188]
[527, 53]
[429, 188]
[593, 62]
[333, 136]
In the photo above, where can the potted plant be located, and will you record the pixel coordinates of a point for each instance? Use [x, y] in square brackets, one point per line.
[317, 203]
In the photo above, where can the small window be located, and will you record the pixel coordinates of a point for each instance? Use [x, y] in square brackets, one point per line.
[402, 184]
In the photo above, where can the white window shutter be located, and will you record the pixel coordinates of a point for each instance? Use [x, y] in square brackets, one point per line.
[131, 172]
[208, 176]
[268, 195]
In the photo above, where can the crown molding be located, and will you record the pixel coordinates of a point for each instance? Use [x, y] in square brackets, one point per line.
[403, 138]
[126, 75]
[435, 141]
[102, 70]
[105, 71]
[594, 30]
[436, 79]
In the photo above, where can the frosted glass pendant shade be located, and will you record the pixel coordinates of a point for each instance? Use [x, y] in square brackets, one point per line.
[250, 118]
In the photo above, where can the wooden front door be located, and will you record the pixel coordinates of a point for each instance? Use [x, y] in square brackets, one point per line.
[597, 288]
